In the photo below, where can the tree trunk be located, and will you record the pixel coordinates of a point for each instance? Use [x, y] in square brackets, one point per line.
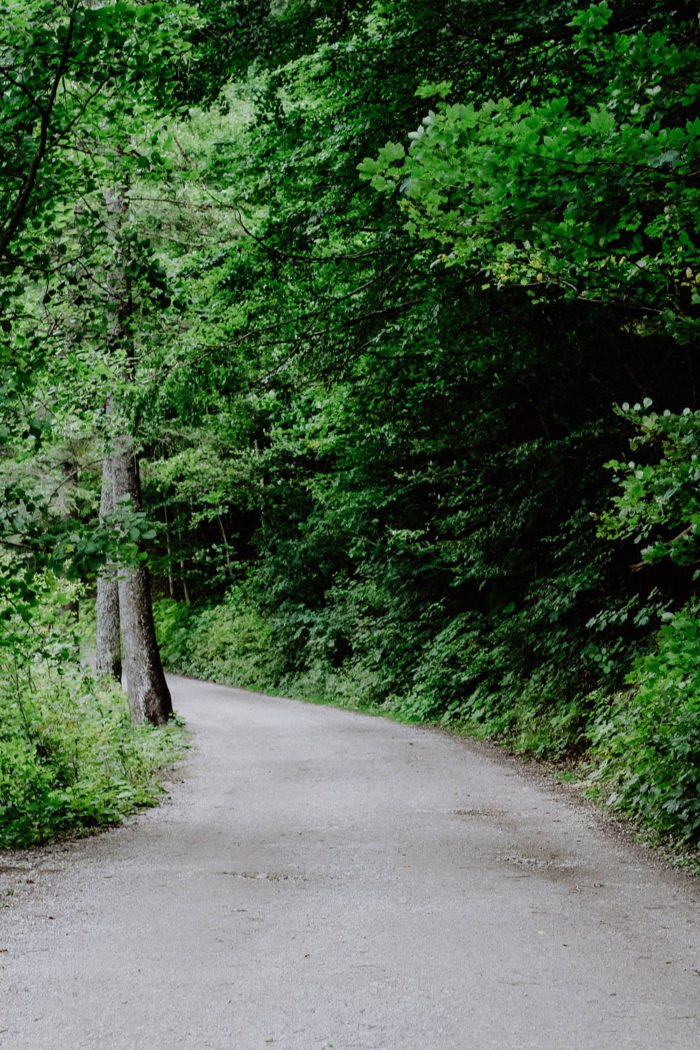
[224, 537]
[149, 696]
[183, 578]
[70, 610]
[109, 653]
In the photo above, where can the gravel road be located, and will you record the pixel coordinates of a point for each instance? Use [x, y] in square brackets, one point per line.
[323, 879]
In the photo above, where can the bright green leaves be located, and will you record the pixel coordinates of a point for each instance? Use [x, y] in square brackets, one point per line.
[594, 199]
[589, 22]
[658, 501]
[439, 90]
[85, 90]
[602, 121]
[373, 169]
[393, 151]
[71, 73]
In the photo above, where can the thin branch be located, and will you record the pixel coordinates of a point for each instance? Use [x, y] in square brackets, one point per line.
[271, 249]
[21, 204]
[24, 89]
[689, 531]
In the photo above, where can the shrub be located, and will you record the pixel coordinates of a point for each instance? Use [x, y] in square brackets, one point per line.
[648, 743]
[225, 643]
[70, 760]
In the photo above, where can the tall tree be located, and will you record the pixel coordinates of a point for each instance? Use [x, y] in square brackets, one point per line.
[149, 696]
[78, 77]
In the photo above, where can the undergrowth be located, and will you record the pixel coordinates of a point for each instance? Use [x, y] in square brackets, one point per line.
[70, 760]
[645, 742]
[224, 643]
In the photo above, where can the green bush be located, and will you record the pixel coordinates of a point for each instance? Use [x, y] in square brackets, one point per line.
[647, 745]
[225, 643]
[70, 760]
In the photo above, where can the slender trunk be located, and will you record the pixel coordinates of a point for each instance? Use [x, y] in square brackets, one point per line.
[185, 588]
[70, 610]
[226, 548]
[109, 654]
[149, 696]
[20, 206]
[171, 578]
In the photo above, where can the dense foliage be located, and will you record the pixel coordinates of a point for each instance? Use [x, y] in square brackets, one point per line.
[412, 365]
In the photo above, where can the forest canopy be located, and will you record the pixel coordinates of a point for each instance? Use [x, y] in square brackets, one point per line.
[349, 350]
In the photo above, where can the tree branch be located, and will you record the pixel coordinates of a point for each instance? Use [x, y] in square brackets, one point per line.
[21, 204]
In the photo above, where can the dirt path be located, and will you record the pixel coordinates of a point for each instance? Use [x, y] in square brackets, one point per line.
[322, 879]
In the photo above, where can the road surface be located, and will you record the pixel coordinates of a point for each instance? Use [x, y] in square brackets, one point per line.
[323, 879]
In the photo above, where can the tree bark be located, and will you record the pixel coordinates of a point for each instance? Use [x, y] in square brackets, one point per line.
[109, 652]
[149, 696]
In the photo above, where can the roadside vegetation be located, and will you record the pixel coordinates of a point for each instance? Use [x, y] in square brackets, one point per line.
[70, 760]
